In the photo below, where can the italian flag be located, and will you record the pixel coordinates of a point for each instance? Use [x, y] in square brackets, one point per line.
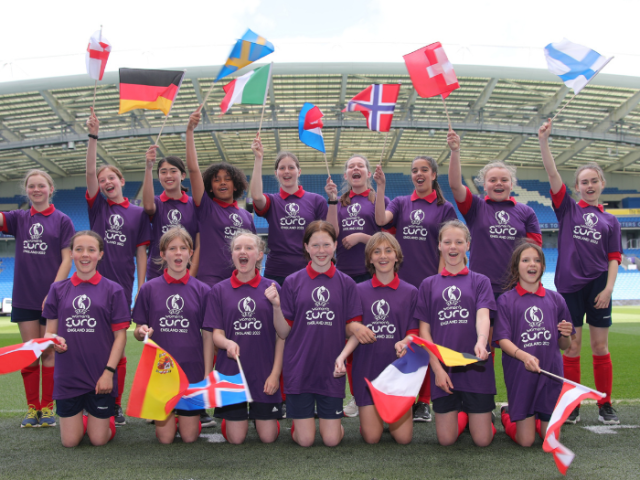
[249, 89]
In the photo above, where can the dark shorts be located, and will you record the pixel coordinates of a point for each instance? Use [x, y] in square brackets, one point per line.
[257, 411]
[276, 278]
[582, 302]
[361, 278]
[464, 402]
[25, 315]
[100, 406]
[188, 413]
[301, 405]
[543, 417]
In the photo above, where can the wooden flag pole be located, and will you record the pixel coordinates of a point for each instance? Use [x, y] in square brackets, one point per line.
[264, 102]
[557, 377]
[384, 146]
[244, 380]
[162, 128]
[446, 110]
[206, 97]
[565, 106]
[95, 86]
[326, 164]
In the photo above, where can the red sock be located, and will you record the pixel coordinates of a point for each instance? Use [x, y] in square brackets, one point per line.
[493, 429]
[293, 426]
[509, 426]
[571, 368]
[349, 365]
[539, 428]
[223, 429]
[31, 380]
[463, 420]
[215, 357]
[199, 428]
[493, 356]
[425, 390]
[122, 373]
[284, 395]
[47, 387]
[603, 375]
[278, 428]
[112, 427]
[84, 424]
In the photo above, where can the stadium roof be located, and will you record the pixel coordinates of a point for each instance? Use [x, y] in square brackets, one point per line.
[497, 110]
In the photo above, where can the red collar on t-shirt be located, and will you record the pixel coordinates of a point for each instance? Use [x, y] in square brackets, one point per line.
[510, 199]
[254, 282]
[446, 273]
[225, 204]
[165, 198]
[521, 291]
[392, 284]
[169, 279]
[313, 274]
[429, 198]
[76, 280]
[584, 204]
[46, 212]
[364, 194]
[298, 193]
[125, 203]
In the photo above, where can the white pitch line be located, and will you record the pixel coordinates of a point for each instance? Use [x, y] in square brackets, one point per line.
[608, 429]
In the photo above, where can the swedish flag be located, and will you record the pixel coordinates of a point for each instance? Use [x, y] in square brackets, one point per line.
[248, 49]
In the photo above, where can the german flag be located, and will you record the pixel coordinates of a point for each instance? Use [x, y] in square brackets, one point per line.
[148, 89]
[448, 357]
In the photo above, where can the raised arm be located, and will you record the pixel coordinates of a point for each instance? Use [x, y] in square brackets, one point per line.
[332, 212]
[93, 125]
[197, 184]
[141, 264]
[382, 215]
[147, 186]
[255, 188]
[547, 158]
[455, 170]
[195, 259]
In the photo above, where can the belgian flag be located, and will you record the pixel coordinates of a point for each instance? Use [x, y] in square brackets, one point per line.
[149, 89]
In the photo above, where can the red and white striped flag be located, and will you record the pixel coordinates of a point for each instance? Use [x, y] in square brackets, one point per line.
[570, 397]
[15, 357]
[97, 55]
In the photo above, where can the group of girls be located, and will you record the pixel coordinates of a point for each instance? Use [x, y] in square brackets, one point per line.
[367, 302]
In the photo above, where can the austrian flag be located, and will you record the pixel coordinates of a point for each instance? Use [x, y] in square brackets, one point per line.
[377, 103]
[431, 72]
[15, 357]
[97, 55]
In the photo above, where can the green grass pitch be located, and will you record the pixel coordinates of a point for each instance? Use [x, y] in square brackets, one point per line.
[135, 453]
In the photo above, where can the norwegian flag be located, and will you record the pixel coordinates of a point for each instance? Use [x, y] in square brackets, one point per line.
[97, 55]
[16, 357]
[431, 72]
[216, 390]
[570, 397]
[377, 103]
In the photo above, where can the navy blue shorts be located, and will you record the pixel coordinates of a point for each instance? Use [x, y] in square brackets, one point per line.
[188, 413]
[543, 417]
[301, 405]
[25, 315]
[257, 411]
[464, 402]
[101, 405]
[583, 302]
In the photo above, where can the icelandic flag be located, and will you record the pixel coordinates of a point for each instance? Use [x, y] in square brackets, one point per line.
[216, 390]
[570, 397]
[377, 103]
[575, 64]
[15, 357]
[310, 127]
[396, 388]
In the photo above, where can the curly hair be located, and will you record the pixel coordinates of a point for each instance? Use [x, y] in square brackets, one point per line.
[238, 179]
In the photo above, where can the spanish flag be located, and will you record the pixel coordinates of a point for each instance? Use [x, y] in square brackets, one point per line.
[448, 357]
[158, 384]
[149, 89]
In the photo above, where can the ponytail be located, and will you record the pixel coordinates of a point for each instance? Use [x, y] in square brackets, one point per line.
[436, 187]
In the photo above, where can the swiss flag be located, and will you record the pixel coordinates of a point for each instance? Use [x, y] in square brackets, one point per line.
[431, 72]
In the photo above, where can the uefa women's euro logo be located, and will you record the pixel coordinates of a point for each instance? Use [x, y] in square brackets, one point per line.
[175, 304]
[451, 295]
[320, 296]
[380, 309]
[174, 216]
[81, 304]
[247, 306]
[534, 316]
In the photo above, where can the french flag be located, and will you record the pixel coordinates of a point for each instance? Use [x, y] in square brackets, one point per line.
[310, 127]
[396, 388]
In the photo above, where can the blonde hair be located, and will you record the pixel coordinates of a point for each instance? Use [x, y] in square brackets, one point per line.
[376, 240]
[115, 170]
[260, 243]
[482, 173]
[455, 224]
[170, 236]
[42, 173]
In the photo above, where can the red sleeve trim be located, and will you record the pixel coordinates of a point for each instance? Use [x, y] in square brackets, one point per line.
[465, 206]
[120, 326]
[615, 256]
[413, 331]
[263, 212]
[355, 319]
[535, 238]
[559, 196]
[148, 242]
[4, 223]
[290, 322]
[391, 230]
[90, 200]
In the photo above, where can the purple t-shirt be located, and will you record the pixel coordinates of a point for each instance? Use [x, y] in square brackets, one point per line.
[531, 321]
[288, 220]
[175, 311]
[359, 217]
[246, 316]
[586, 237]
[217, 225]
[123, 228]
[449, 305]
[388, 310]
[40, 238]
[319, 307]
[169, 213]
[496, 228]
[87, 316]
[417, 222]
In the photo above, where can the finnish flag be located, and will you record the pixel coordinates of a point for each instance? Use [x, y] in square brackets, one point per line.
[575, 64]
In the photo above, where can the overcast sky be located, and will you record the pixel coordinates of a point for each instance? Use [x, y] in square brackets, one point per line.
[44, 39]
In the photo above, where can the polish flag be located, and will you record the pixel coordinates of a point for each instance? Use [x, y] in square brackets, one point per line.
[15, 357]
[97, 55]
[431, 72]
